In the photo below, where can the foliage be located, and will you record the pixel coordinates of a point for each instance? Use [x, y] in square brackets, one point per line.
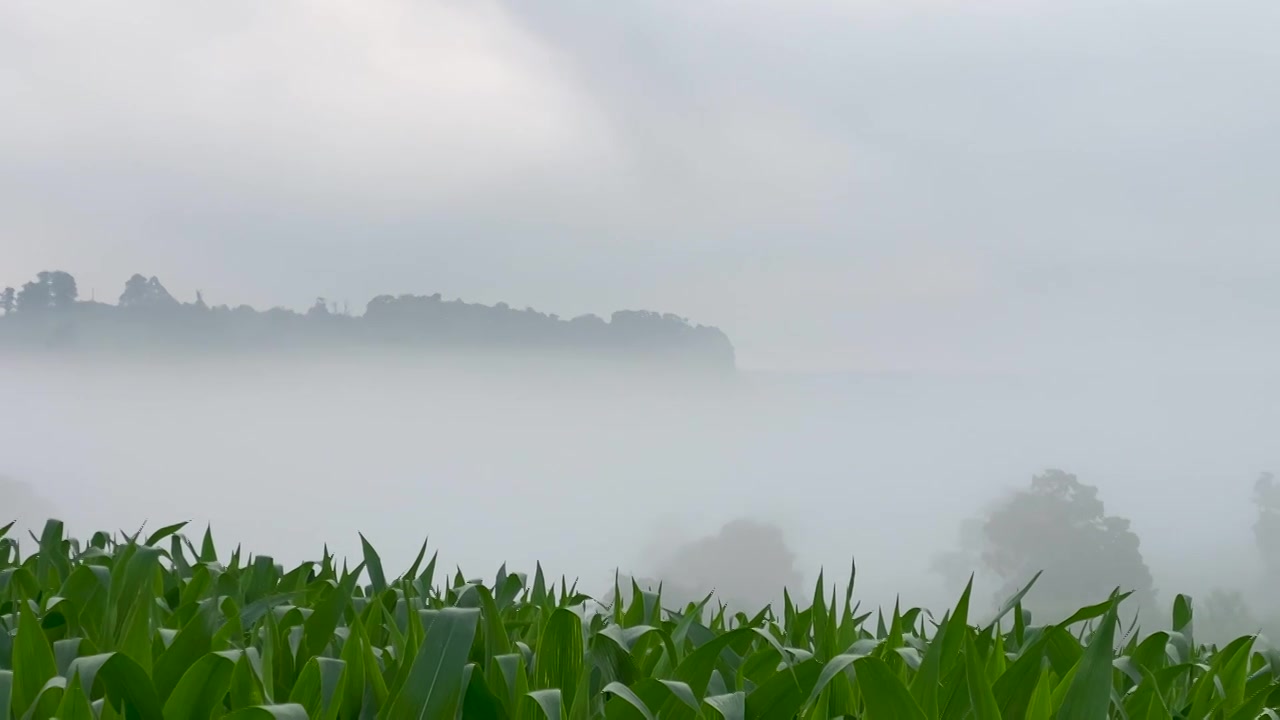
[747, 564]
[1266, 529]
[154, 626]
[1059, 525]
[1224, 614]
[140, 292]
[45, 314]
[51, 290]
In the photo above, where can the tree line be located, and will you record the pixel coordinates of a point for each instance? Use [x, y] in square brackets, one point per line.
[48, 313]
[1058, 528]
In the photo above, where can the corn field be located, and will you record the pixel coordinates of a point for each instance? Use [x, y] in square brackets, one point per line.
[155, 627]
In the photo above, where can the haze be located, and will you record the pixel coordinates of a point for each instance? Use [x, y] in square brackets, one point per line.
[952, 244]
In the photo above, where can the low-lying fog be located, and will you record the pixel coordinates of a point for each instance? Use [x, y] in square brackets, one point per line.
[590, 471]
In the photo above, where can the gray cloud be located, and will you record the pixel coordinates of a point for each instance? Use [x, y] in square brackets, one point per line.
[889, 185]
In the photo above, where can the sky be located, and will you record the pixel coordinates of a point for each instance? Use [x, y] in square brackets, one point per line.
[918, 185]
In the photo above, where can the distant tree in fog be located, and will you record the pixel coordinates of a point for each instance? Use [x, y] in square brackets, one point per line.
[747, 563]
[62, 289]
[408, 321]
[1266, 529]
[1059, 525]
[1223, 616]
[141, 292]
[51, 290]
[959, 563]
[35, 296]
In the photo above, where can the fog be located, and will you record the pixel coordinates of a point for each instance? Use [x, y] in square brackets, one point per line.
[839, 186]
[589, 471]
[953, 245]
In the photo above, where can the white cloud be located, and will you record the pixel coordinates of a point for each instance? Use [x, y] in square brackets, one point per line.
[357, 99]
[679, 156]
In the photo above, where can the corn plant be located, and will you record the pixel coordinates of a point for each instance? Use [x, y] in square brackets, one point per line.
[126, 626]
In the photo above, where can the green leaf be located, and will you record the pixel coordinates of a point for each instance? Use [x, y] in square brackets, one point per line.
[201, 689]
[53, 567]
[980, 694]
[48, 699]
[289, 711]
[6, 681]
[75, 703]
[1182, 614]
[559, 654]
[434, 683]
[374, 565]
[886, 696]
[64, 652]
[832, 668]
[1040, 705]
[1093, 611]
[123, 680]
[626, 695]
[165, 532]
[320, 625]
[1014, 602]
[319, 687]
[548, 702]
[695, 670]
[353, 657]
[730, 706]
[1089, 695]
[927, 681]
[1013, 688]
[478, 701]
[246, 681]
[208, 552]
[496, 641]
[957, 630]
[781, 696]
[34, 661]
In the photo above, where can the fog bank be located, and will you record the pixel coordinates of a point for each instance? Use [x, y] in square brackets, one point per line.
[592, 471]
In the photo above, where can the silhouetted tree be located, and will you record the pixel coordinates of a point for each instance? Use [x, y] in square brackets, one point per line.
[957, 564]
[747, 564]
[62, 289]
[1223, 616]
[1059, 525]
[1266, 528]
[141, 292]
[8, 300]
[426, 322]
[34, 297]
[51, 290]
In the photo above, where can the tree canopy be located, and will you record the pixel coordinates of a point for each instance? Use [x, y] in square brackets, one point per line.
[1057, 525]
[746, 564]
[46, 314]
[1266, 528]
[1060, 526]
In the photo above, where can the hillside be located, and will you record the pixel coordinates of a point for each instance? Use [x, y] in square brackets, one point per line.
[47, 315]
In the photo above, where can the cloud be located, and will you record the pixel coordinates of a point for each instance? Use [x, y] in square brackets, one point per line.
[358, 98]
[735, 163]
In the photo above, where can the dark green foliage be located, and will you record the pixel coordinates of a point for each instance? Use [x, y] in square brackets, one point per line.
[140, 631]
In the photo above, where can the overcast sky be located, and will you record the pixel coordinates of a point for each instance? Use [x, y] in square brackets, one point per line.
[880, 185]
